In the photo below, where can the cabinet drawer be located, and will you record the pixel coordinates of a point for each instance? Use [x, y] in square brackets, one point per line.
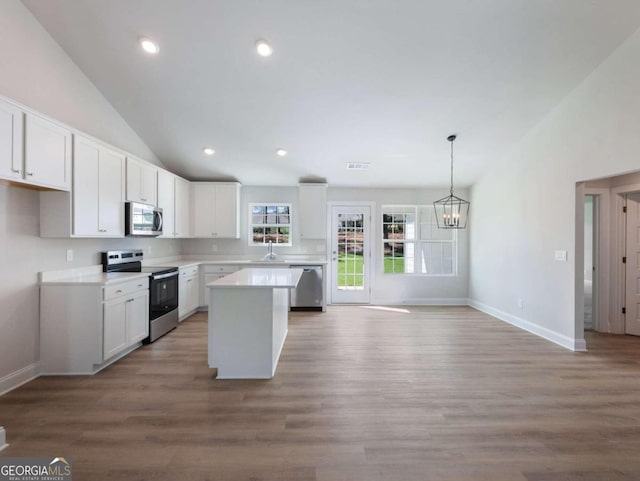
[216, 268]
[124, 288]
[189, 271]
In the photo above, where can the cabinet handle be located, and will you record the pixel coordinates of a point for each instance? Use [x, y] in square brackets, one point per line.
[102, 230]
[189, 280]
[143, 199]
[139, 285]
[118, 291]
[17, 171]
[129, 300]
[30, 174]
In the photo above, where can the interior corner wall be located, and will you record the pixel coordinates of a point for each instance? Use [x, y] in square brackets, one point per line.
[37, 73]
[524, 208]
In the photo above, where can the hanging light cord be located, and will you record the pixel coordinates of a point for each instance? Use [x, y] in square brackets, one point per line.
[451, 190]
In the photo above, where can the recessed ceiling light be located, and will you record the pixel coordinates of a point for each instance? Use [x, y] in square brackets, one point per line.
[149, 46]
[263, 48]
[281, 152]
[208, 151]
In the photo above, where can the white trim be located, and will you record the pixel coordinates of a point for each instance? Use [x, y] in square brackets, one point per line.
[371, 243]
[553, 336]
[422, 301]
[3, 438]
[19, 377]
[604, 260]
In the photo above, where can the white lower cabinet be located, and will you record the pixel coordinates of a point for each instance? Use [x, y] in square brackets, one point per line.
[125, 322]
[188, 291]
[213, 272]
[84, 328]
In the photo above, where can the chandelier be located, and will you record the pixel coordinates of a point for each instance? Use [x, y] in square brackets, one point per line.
[451, 211]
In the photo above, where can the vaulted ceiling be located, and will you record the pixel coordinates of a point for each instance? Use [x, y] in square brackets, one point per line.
[377, 81]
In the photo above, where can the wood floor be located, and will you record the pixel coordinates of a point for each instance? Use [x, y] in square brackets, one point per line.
[437, 393]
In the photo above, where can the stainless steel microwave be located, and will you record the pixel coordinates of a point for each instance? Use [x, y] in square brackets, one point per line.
[142, 220]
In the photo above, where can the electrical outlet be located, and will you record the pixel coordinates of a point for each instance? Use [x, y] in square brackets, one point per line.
[561, 256]
[521, 303]
[69, 255]
[214, 247]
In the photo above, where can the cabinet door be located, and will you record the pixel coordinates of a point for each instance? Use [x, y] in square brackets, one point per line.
[111, 193]
[202, 209]
[183, 295]
[114, 333]
[134, 180]
[166, 201]
[137, 317]
[10, 142]
[193, 292]
[226, 211]
[182, 220]
[86, 171]
[47, 153]
[312, 211]
[149, 185]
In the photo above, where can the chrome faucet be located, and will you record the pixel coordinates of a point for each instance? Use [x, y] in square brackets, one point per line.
[270, 255]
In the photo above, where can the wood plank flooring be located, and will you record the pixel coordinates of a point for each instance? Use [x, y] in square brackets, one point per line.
[434, 393]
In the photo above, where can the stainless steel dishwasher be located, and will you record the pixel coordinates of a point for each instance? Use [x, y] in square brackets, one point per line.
[308, 294]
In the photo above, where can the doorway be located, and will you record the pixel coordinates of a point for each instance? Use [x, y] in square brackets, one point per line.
[590, 260]
[632, 265]
[350, 254]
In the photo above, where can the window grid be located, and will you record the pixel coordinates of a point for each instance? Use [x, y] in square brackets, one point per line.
[350, 251]
[270, 222]
[413, 244]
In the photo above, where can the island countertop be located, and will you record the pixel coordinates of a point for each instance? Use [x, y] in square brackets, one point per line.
[260, 277]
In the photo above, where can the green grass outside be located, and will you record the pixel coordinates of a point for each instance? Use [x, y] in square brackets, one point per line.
[348, 264]
[393, 265]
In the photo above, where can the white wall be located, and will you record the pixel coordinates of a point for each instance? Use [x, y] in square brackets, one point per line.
[386, 288]
[588, 238]
[389, 288]
[240, 247]
[525, 207]
[37, 73]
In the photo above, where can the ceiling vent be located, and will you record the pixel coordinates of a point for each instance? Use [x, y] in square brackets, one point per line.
[358, 165]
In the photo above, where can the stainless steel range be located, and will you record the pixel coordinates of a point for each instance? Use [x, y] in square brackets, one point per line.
[163, 289]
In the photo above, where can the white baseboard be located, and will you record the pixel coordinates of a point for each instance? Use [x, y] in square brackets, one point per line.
[445, 301]
[3, 438]
[553, 336]
[19, 377]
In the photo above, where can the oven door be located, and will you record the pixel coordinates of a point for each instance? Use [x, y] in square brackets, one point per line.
[163, 294]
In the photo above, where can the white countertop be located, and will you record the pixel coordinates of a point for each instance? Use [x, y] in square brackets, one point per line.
[258, 277]
[181, 262]
[88, 276]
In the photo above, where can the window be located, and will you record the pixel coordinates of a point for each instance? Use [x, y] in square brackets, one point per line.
[269, 223]
[413, 244]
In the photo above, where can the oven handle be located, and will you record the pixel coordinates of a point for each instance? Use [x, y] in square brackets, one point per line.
[164, 276]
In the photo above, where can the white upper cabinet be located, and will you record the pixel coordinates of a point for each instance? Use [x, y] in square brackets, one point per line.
[173, 199]
[215, 209]
[98, 190]
[95, 208]
[312, 211]
[166, 201]
[34, 150]
[47, 153]
[182, 216]
[142, 181]
[11, 142]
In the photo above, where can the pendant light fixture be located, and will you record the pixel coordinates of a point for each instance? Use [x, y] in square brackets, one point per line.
[451, 211]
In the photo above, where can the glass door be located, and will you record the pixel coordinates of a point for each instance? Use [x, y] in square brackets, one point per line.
[350, 255]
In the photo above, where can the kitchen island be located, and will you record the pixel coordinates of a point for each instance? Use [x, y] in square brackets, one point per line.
[248, 321]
